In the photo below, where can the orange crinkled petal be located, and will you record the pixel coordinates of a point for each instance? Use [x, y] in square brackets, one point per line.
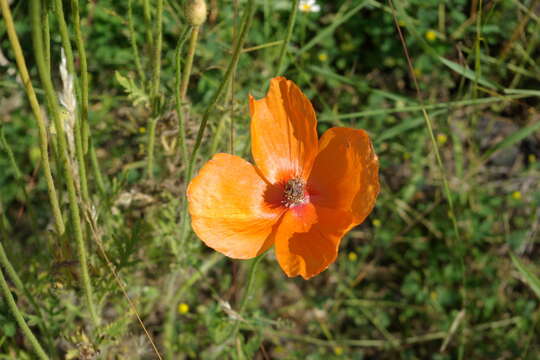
[307, 253]
[228, 210]
[345, 174]
[283, 132]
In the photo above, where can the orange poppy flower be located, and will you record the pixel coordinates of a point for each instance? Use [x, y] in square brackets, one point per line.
[302, 195]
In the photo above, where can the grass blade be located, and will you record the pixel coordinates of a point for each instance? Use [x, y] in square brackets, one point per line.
[528, 277]
[467, 73]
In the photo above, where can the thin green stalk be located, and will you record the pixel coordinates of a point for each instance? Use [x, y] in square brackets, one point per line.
[64, 37]
[46, 34]
[285, 44]
[148, 23]
[216, 136]
[78, 132]
[43, 140]
[477, 61]
[189, 61]
[416, 108]
[231, 89]
[246, 23]
[154, 91]
[95, 167]
[12, 274]
[178, 99]
[262, 46]
[133, 41]
[251, 280]
[152, 123]
[231, 119]
[85, 128]
[63, 150]
[18, 316]
[247, 294]
[179, 112]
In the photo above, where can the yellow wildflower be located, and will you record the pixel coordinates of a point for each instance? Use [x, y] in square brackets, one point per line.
[431, 35]
[183, 308]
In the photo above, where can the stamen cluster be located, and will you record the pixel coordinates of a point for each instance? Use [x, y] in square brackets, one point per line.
[294, 193]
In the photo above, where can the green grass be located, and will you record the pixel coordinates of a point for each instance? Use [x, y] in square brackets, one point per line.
[421, 278]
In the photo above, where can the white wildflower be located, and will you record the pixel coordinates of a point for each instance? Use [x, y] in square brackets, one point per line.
[309, 6]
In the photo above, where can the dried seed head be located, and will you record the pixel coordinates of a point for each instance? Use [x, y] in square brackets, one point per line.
[294, 193]
[196, 12]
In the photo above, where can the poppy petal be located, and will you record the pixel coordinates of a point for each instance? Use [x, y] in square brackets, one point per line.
[283, 132]
[228, 210]
[345, 174]
[309, 253]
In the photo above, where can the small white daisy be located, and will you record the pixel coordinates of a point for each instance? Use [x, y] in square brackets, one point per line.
[309, 6]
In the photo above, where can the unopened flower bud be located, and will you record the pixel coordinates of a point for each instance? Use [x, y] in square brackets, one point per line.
[196, 12]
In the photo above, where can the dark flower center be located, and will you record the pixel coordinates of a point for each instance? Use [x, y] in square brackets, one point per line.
[294, 193]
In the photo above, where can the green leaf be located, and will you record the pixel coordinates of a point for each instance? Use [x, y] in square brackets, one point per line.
[528, 276]
[527, 92]
[466, 72]
[135, 94]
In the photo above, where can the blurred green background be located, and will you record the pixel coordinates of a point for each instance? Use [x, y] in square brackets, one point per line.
[412, 282]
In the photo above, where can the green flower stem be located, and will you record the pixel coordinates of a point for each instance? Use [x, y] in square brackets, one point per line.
[231, 119]
[133, 42]
[285, 44]
[189, 61]
[43, 140]
[85, 128]
[179, 112]
[251, 279]
[78, 132]
[218, 132]
[154, 90]
[63, 150]
[46, 36]
[148, 22]
[181, 121]
[246, 23]
[247, 294]
[18, 316]
[152, 123]
[231, 87]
